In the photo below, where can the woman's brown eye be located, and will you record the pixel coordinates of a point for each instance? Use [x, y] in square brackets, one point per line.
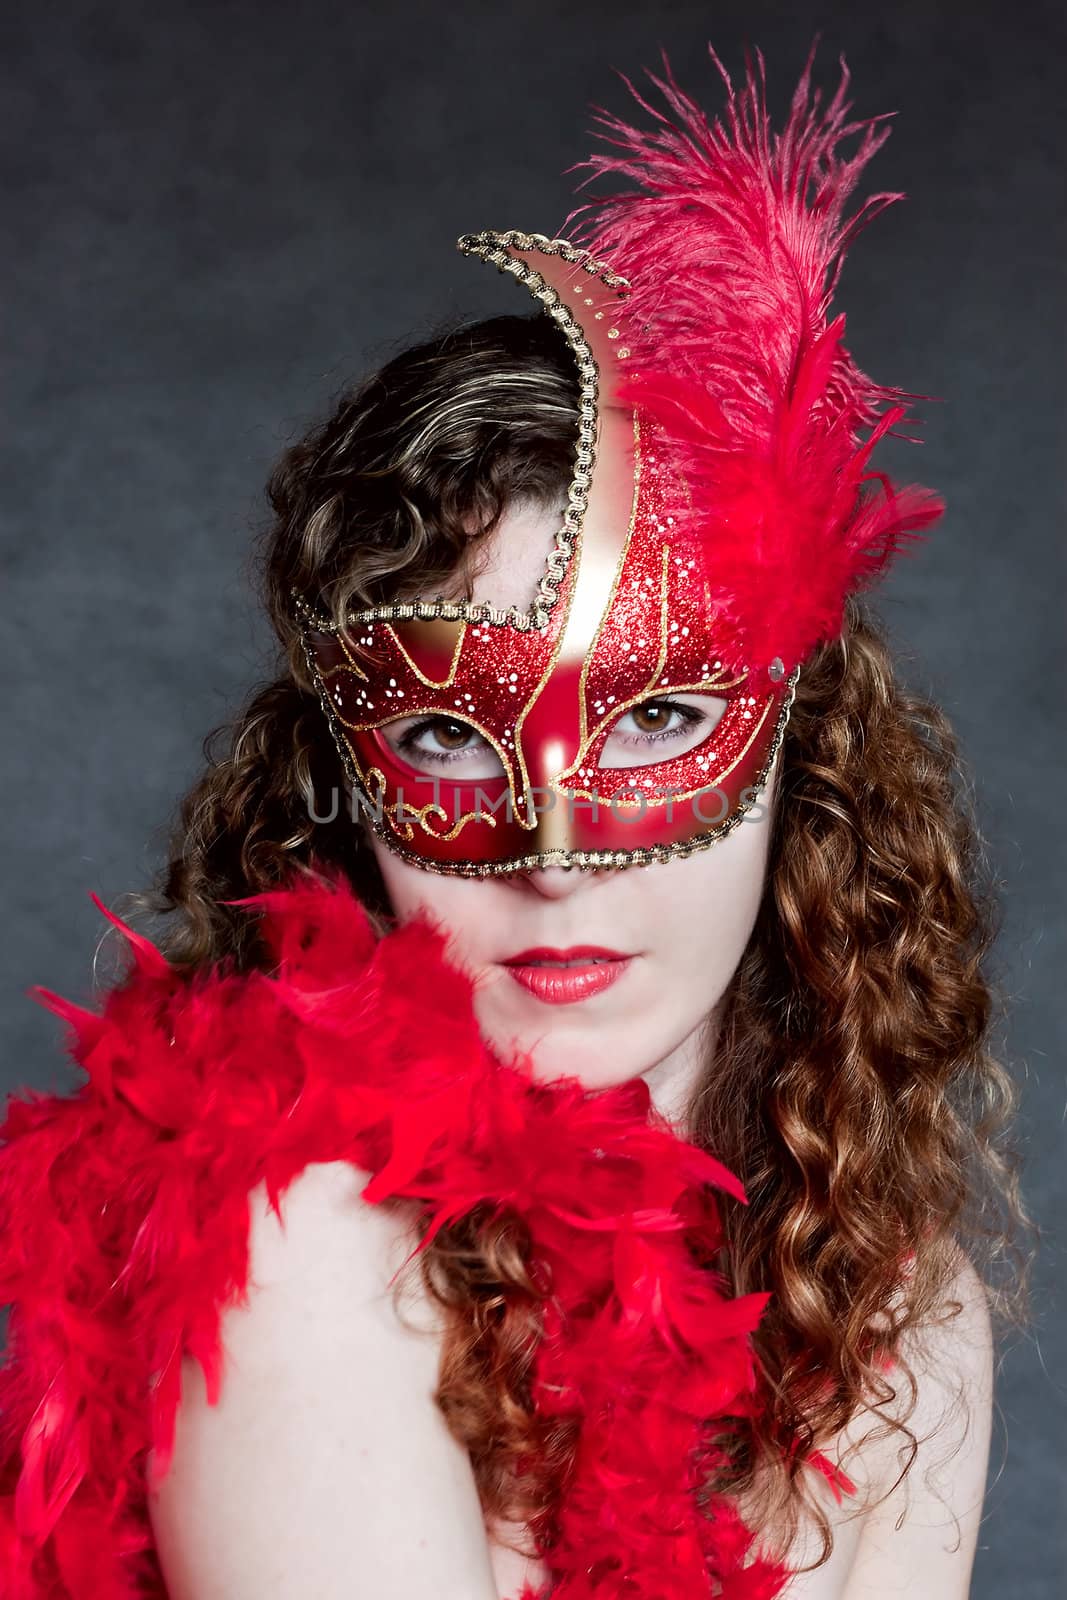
[451, 735]
[651, 717]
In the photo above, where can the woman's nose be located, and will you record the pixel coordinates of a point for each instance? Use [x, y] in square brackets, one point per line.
[556, 883]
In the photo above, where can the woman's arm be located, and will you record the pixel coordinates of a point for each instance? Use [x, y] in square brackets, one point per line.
[919, 1539]
[938, 1506]
[325, 1472]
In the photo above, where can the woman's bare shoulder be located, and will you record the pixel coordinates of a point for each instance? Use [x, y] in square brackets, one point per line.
[326, 1229]
[912, 1524]
[325, 1463]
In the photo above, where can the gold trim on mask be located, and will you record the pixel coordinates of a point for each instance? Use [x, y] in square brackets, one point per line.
[711, 783]
[705, 686]
[627, 705]
[446, 716]
[494, 248]
[353, 665]
[433, 683]
[416, 813]
[616, 579]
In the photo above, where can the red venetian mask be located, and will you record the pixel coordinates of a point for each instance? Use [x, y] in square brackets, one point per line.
[530, 744]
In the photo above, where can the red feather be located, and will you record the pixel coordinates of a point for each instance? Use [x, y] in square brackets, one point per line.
[732, 243]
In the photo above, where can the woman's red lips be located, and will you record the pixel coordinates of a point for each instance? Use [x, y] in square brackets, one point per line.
[576, 952]
[560, 977]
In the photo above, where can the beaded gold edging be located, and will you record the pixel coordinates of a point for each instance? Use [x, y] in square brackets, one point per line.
[493, 247]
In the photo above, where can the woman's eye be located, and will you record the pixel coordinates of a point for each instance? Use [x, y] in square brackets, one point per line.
[438, 734]
[433, 742]
[656, 716]
[656, 730]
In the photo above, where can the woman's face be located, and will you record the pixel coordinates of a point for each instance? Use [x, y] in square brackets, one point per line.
[675, 930]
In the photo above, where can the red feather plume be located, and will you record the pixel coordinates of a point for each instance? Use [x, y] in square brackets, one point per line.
[732, 245]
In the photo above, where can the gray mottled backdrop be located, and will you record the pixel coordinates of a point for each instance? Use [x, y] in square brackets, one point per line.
[215, 214]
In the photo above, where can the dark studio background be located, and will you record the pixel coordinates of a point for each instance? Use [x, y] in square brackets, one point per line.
[215, 215]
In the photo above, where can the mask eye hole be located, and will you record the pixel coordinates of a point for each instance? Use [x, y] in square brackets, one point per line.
[442, 744]
[660, 728]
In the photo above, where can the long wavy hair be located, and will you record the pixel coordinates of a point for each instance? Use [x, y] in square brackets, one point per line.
[852, 1088]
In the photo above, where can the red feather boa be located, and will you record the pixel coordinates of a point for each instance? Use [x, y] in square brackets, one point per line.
[125, 1218]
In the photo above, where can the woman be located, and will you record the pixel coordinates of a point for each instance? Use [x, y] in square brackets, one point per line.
[687, 1097]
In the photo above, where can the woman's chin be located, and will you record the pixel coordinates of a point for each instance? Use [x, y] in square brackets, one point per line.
[569, 1052]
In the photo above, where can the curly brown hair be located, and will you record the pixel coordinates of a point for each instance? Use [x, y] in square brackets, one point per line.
[852, 1088]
